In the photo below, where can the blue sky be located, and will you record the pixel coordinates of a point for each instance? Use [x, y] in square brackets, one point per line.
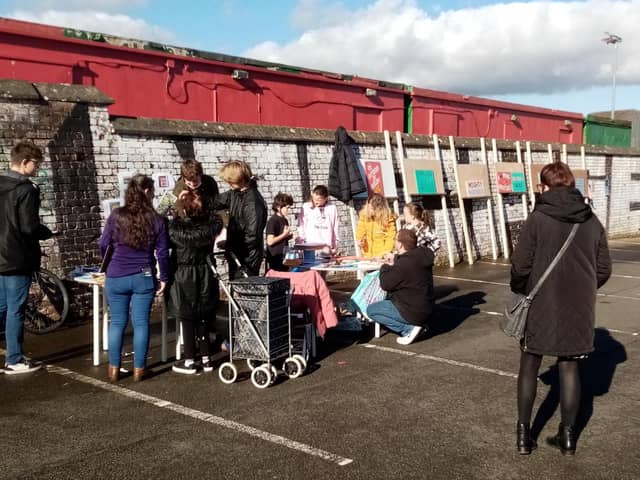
[548, 54]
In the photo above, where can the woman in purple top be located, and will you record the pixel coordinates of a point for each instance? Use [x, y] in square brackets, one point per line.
[135, 232]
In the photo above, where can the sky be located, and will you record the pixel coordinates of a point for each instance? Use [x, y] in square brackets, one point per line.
[543, 53]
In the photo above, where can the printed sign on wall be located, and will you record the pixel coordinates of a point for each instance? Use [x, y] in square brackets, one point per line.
[510, 177]
[373, 173]
[504, 182]
[518, 182]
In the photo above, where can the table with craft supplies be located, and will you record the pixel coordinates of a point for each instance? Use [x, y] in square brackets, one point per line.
[368, 284]
[96, 281]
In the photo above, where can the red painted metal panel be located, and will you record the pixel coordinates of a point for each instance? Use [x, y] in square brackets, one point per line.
[147, 83]
[477, 117]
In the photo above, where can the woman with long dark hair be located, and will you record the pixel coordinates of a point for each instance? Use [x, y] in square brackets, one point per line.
[193, 289]
[135, 232]
[561, 320]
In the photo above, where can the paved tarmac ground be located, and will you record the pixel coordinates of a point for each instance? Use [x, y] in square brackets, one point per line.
[442, 408]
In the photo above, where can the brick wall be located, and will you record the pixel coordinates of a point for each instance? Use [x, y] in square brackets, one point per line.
[85, 150]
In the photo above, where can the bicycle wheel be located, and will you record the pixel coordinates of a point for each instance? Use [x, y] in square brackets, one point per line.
[48, 303]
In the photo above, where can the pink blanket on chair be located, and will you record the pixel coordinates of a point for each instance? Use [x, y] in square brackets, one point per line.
[309, 290]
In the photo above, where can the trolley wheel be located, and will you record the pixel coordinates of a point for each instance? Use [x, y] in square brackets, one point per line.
[261, 377]
[253, 364]
[292, 367]
[228, 372]
[302, 360]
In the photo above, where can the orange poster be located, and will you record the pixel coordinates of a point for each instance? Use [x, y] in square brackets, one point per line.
[373, 172]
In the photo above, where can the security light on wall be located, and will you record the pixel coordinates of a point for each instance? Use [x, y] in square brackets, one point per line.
[514, 118]
[567, 123]
[240, 75]
[371, 92]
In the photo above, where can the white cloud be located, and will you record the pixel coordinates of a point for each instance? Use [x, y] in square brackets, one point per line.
[114, 24]
[535, 47]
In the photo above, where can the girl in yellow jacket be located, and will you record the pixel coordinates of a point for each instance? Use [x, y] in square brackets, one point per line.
[376, 227]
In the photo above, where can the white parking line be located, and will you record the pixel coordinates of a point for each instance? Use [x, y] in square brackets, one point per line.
[203, 416]
[486, 282]
[456, 363]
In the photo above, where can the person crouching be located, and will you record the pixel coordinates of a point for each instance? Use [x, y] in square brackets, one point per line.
[407, 278]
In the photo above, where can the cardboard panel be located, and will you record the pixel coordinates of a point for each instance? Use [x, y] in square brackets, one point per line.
[424, 177]
[582, 177]
[510, 177]
[474, 181]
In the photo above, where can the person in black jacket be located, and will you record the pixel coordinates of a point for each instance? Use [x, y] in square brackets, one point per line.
[20, 233]
[247, 218]
[408, 280]
[193, 290]
[561, 318]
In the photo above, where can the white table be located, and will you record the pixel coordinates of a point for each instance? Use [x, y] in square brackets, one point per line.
[357, 266]
[97, 284]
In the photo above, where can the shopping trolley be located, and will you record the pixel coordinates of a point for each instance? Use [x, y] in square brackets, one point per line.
[260, 330]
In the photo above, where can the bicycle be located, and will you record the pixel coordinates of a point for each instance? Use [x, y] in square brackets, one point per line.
[47, 304]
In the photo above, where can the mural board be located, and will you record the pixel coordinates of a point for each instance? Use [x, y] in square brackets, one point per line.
[424, 177]
[510, 178]
[379, 177]
[474, 181]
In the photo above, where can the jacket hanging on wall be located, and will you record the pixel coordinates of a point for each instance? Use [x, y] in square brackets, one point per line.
[345, 179]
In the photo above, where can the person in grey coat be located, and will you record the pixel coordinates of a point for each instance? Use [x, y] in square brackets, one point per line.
[561, 319]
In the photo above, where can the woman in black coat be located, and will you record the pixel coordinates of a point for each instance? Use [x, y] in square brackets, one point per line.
[193, 290]
[561, 319]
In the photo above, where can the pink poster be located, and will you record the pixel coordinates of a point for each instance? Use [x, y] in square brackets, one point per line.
[504, 182]
[373, 171]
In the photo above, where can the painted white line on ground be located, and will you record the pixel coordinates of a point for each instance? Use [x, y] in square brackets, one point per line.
[624, 241]
[635, 334]
[456, 363]
[486, 282]
[623, 250]
[203, 416]
[633, 277]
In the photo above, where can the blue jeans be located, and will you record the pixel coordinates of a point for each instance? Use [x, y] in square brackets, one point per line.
[133, 293]
[14, 291]
[386, 314]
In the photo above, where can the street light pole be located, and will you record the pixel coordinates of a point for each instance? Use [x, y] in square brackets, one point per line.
[612, 39]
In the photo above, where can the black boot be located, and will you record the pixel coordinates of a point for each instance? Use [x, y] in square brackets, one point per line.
[524, 441]
[565, 440]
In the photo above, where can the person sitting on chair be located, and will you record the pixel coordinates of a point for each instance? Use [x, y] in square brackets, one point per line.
[408, 279]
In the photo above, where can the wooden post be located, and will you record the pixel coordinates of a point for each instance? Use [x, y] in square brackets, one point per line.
[501, 217]
[445, 210]
[550, 152]
[492, 227]
[533, 182]
[525, 207]
[463, 211]
[583, 157]
[564, 154]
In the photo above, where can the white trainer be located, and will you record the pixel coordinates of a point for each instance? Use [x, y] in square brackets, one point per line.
[26, 366]
[408, 339]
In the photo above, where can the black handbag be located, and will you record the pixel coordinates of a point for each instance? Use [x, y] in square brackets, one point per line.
[517, 309]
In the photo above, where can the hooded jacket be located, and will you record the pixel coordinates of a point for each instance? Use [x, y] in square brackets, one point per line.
[20, 227]
[561, 319]
[193, 290]
[247, 220]
[345, 179]
[409, 284]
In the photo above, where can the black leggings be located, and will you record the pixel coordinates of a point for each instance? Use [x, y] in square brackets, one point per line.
[569, 387]
[192, 331]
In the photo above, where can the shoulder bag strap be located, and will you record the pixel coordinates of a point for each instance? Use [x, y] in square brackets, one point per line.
[555, 261]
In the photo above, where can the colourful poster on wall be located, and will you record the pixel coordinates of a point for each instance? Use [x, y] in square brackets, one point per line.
[373, 174]
[426, 182]
[504, 182]
[475, 188]
[518, 182]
